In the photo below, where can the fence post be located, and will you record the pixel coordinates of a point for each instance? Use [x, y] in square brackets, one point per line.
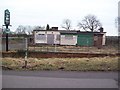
[26, 52]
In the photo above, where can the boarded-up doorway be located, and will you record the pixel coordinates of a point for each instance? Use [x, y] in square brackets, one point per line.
[50, 39]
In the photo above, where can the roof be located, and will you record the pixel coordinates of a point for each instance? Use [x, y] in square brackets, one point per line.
[54, 30]
[91, 32]
[81, 32]
[73, 31]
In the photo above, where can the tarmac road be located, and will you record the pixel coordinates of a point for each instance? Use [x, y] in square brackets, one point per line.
[59, 79]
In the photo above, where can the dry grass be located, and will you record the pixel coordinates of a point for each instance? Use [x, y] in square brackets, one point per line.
[70, 64]
[76, 49]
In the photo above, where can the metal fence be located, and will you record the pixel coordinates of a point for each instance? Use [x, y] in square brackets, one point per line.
[112, 41]
[19, 43]
[14, 43]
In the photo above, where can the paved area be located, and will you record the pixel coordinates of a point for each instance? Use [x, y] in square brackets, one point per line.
[59, 79]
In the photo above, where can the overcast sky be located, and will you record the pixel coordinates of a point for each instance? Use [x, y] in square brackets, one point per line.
[53, 12]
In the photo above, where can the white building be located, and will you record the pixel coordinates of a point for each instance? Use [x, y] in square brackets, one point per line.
[46, 37]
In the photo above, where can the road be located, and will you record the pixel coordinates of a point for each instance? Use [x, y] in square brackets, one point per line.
[59, 79]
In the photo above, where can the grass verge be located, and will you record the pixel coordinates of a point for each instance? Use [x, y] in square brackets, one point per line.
[67, 64]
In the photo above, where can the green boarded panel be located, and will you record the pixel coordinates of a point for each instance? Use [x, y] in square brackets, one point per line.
[85, 40]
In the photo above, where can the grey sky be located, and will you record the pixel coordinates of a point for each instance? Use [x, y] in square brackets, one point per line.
[53, 12]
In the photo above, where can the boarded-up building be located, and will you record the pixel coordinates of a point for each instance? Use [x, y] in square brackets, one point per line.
[63, 37]
[46, 37]
[82, 38]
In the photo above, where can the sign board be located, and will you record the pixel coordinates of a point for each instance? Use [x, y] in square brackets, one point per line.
[7, 30]
[7, 17]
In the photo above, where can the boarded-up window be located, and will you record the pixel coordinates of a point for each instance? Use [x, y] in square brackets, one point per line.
[69, 37]
[41, 37]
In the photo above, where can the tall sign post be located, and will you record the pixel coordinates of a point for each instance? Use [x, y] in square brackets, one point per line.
[7, 23]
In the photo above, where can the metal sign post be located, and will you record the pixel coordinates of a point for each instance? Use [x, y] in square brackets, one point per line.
[7, 23]
[6, 39]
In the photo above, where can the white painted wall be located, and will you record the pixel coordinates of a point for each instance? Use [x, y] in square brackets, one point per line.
[104, 39]
[56, 41]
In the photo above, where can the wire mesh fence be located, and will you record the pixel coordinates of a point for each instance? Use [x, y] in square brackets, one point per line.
[73, 49]
[19, 43]
[14, 43]
[112, 41]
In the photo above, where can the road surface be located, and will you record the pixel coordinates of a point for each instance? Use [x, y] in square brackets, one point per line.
[59, 79]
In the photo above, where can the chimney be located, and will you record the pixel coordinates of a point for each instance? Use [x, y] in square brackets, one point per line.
[101, 29]
[54, 28]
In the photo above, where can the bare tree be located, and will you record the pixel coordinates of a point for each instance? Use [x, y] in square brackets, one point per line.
[20, 30]
[67, 24]
[90, 22]
[39, 28]
[24, 29]
[29, 29]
